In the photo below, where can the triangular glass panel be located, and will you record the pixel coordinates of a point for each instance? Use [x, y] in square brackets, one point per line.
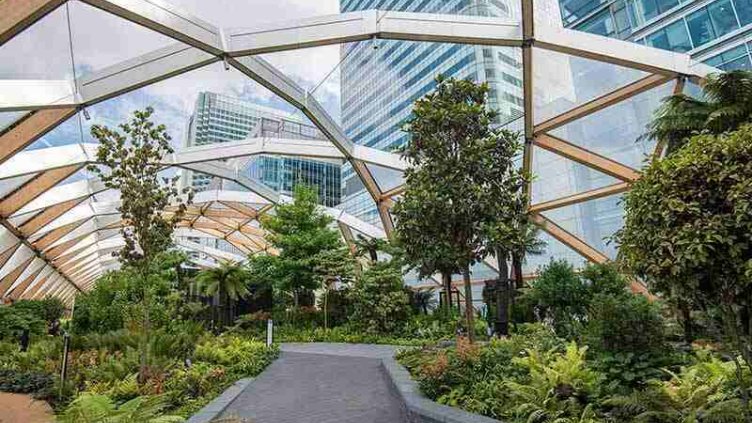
[557, 177]
[554, 250]
[7, 119]
[615, 132]
[66, 133]
[102, 39]
[563, 82]
[11, 184]
[592, 221]
[387, 179]
[40, 52]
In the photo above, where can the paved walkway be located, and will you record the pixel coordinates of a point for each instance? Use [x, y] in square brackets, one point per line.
[321, 383]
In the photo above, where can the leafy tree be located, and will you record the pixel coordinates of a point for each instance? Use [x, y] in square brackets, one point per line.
[228, 281]
[560, 296]
[332, 267]
[453, 154]
[687, 229]
[132, 158]
[510, 232]
[380, 303]
[302, 235]
[726, 104]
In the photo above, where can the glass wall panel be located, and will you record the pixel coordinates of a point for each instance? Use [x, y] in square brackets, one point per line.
[616, 132]
[563, 82]
[556, 177]
[593, 221]
[554, 250]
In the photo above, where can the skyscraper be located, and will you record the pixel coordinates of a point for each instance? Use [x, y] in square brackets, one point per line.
[218, 118]
[717, 32]
[382, 79]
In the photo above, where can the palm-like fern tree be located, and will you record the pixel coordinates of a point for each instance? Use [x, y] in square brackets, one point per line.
[369, 247]
[229, 281]
[424, 300]
[726, 104]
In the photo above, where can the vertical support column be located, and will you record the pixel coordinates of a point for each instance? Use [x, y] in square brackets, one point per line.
[528, 35]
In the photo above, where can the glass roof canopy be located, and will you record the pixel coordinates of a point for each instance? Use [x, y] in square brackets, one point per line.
[586, 99]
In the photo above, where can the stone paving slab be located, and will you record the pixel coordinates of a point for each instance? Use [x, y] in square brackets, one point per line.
[322, 383]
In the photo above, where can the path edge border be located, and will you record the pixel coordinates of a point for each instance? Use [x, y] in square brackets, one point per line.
[420, 409]
[219, 404]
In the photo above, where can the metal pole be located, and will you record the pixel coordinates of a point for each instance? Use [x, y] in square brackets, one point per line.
[64, 366]
[269, 332]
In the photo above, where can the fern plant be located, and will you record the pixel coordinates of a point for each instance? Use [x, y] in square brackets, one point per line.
[89, 408]
[558, 388]
[704, 392]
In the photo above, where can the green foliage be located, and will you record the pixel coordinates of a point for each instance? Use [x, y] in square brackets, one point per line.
[230, 280]
[89, 408]
[456, 158]
[24, 382]
[49, 309]
[117, 299]
[17, 319]
[560, 295]
[557, 387]
[134, 160]
[242, 357]
[301, 233]
[703, 392]
[723, 107]
[380, 303]
[624, 323]
[687, 226]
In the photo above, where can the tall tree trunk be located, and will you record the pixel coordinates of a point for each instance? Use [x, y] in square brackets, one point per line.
[446, 279]
[686, 318]
[519, 280]
[501, 327]
[144, 353]
[469, 312]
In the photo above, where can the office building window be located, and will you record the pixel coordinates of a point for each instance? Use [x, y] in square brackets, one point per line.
[744, 11]
[733, 59]
[700, 27]
[673, 37]
[723, 18]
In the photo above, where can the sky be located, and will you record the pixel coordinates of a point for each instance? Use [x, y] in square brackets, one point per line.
[97, 40]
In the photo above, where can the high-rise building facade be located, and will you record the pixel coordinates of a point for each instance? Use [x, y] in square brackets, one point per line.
[717, 32]
[218, 119]
[381, 79]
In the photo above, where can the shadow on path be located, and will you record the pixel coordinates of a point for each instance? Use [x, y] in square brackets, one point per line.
[322, 383]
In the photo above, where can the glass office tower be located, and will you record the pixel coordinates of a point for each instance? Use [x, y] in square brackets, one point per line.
[717, 32]
[218, 118]
[380, 81]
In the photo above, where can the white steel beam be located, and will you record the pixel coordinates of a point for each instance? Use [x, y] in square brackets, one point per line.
[364, 25]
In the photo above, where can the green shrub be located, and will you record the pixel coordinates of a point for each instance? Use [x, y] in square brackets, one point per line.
[24, 382]
[704, 392]
[242, 357]
[560, 296]
[624, 323]
[17, 319]
[380, 304]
